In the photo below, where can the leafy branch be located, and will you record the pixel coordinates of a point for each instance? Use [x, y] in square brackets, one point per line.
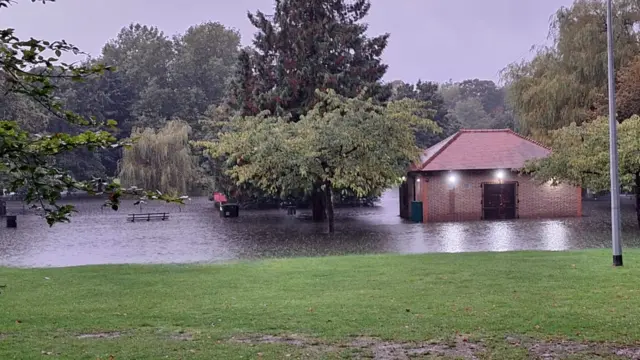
[33, 69]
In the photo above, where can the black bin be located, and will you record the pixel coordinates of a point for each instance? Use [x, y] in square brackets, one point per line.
[229, 210]
[12, 221]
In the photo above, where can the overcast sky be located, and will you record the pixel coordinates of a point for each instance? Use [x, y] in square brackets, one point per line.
[430, 39]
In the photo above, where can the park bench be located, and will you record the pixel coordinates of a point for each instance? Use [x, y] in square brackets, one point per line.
[290, 206]
[147, 217]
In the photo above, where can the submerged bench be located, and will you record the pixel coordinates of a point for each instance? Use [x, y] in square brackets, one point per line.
[147, 217]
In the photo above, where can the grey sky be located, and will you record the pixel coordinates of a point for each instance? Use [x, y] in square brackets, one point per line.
[430, 39]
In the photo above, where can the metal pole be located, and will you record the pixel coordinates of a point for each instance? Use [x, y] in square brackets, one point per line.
[613, 146]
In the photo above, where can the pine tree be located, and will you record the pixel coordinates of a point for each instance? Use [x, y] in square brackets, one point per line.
[304, 46]
[242, 86]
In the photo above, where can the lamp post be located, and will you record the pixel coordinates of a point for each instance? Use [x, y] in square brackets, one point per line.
[613, 148]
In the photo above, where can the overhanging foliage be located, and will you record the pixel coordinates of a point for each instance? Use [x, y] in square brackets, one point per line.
[580, 155]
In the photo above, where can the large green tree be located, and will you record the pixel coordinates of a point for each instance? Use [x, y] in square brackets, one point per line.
[205, 57]
[304, 46]
[566, 81]
[581, 156]
[142, 53]
[341, 143]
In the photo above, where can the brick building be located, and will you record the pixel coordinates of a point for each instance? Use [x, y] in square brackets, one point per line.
[474, 175]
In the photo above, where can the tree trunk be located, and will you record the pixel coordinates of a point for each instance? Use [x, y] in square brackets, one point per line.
[317, 203]
[638, 197]
[328, 190]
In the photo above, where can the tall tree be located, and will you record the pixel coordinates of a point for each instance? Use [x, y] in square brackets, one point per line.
[305, 46]
[143, 53]
[309, 45]
[205, 58]
[566, 82]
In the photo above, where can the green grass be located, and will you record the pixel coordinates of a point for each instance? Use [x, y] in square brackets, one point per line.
[574, 295]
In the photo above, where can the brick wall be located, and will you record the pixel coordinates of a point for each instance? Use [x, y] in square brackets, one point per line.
[463, 201]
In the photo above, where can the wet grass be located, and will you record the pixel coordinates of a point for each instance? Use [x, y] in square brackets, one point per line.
[498, 300]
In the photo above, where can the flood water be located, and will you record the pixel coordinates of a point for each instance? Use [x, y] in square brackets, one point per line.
[197, 234]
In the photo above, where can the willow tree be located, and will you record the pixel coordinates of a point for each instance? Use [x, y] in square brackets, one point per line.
[566, 81]
[628, 90]
[160, 159]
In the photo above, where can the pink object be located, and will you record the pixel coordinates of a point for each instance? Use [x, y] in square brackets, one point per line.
[219, 197]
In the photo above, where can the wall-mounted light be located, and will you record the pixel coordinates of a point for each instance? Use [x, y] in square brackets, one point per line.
[452, 179]
[500, 174]
[418, 180]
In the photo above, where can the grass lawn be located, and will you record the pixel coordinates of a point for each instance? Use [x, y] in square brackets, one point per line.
[487, 305]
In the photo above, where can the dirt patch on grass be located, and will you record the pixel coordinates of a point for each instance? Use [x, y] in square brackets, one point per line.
[269, 339]
[377, 349]
[181, 336]
[458, 348]
[100, 335]
[629, 353]
[562, 349]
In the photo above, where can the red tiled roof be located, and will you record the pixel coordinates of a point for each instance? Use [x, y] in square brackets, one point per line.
[481, 150]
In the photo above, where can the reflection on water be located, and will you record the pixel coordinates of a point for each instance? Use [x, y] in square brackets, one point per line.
[503, 235]
[555, 235]
[198, 234]
[452, 237]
